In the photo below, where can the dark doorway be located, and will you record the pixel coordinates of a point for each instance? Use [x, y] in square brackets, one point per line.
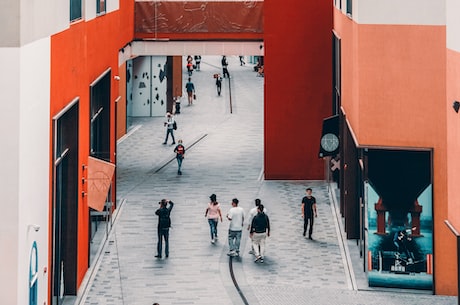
[100, 221]
[65, 203]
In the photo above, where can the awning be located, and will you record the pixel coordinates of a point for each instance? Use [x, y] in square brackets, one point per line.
[99, 179]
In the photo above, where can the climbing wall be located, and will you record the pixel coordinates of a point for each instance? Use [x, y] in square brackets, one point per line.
[149, 86]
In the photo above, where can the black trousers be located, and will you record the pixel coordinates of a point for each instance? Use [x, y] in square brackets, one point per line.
[163, 234]
[308, 220]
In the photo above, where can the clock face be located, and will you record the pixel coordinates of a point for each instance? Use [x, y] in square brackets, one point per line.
[329, 142]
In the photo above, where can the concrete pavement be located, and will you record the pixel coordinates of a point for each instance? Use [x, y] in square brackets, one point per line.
[225, 157]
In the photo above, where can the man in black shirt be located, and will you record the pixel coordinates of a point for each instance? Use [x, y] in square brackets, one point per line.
[260, 229]
[308, 212]
[164, 222]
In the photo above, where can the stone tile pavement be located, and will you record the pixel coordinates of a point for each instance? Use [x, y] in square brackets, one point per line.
[225, 158]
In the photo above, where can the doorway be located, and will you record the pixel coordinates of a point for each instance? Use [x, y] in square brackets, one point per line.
[100, 221]
[65, 204]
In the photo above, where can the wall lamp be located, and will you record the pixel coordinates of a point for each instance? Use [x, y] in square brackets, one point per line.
[456, 106]
[35, 227]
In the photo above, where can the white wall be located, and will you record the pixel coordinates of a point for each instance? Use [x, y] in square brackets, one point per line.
[90, 8]
[9, 176]
[42, 18]
[34, 154]
[453, 25]
[415, 12]
[9, 23]
[24, 130]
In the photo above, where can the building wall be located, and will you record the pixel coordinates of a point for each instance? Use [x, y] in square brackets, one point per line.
[9, 132]
[23, 22]
[79, 56]
[394, 94]
[298, 86]
[24, 113]
[453, 131]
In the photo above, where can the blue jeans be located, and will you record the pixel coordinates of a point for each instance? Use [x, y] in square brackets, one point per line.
[213, 227]
[234, 239]
[170, 131]
[179, 159]
[163, 233]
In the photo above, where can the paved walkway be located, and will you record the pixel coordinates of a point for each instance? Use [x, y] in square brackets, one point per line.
[225, 157]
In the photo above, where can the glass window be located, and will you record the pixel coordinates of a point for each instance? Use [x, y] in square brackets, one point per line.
[75, 10]
[100, 6]
[349, 8]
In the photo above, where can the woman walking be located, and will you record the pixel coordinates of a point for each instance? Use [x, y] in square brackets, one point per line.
[190, 87]
[213, 213]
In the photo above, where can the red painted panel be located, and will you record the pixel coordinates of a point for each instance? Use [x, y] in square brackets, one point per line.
[298, 77]
[199, 20]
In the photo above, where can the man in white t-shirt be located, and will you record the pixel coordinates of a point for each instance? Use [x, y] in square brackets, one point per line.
[236, 217]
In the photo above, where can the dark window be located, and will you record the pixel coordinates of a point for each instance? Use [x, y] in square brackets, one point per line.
[100, 6]
[65, 204]
[100, 117]
[75, 10]
[349, 7]
[336, 71]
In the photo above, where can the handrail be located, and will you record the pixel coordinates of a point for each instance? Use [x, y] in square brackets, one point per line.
[452, 228]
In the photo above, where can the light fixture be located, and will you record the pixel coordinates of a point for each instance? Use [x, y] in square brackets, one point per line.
[456, 106]
[35, 227]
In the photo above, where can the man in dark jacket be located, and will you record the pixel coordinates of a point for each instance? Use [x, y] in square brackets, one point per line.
[164, 222]
[260, 229]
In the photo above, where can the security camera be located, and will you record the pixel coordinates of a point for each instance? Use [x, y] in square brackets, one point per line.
[35, 227]
[116, 77]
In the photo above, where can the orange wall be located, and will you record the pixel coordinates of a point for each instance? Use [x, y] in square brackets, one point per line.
[453, 161]
[121, 104]
[453, 136]
[78, 56]
[298, 86]
[394, 94]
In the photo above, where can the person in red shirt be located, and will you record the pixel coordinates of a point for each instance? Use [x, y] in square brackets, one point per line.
[180, 152]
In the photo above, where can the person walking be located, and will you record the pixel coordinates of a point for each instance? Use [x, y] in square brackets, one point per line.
[198, 62]
[224, 63]
[180, 153]
[213, 213]
[189, 65]
[308, 212]
[242, 63]
[252, 213]
[260, 229]
[236, 217]
[169, 124]
[164, 223]
[218, 83]
[190, 87]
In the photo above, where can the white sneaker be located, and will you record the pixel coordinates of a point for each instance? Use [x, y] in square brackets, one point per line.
[212, 241]
[231, 253]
